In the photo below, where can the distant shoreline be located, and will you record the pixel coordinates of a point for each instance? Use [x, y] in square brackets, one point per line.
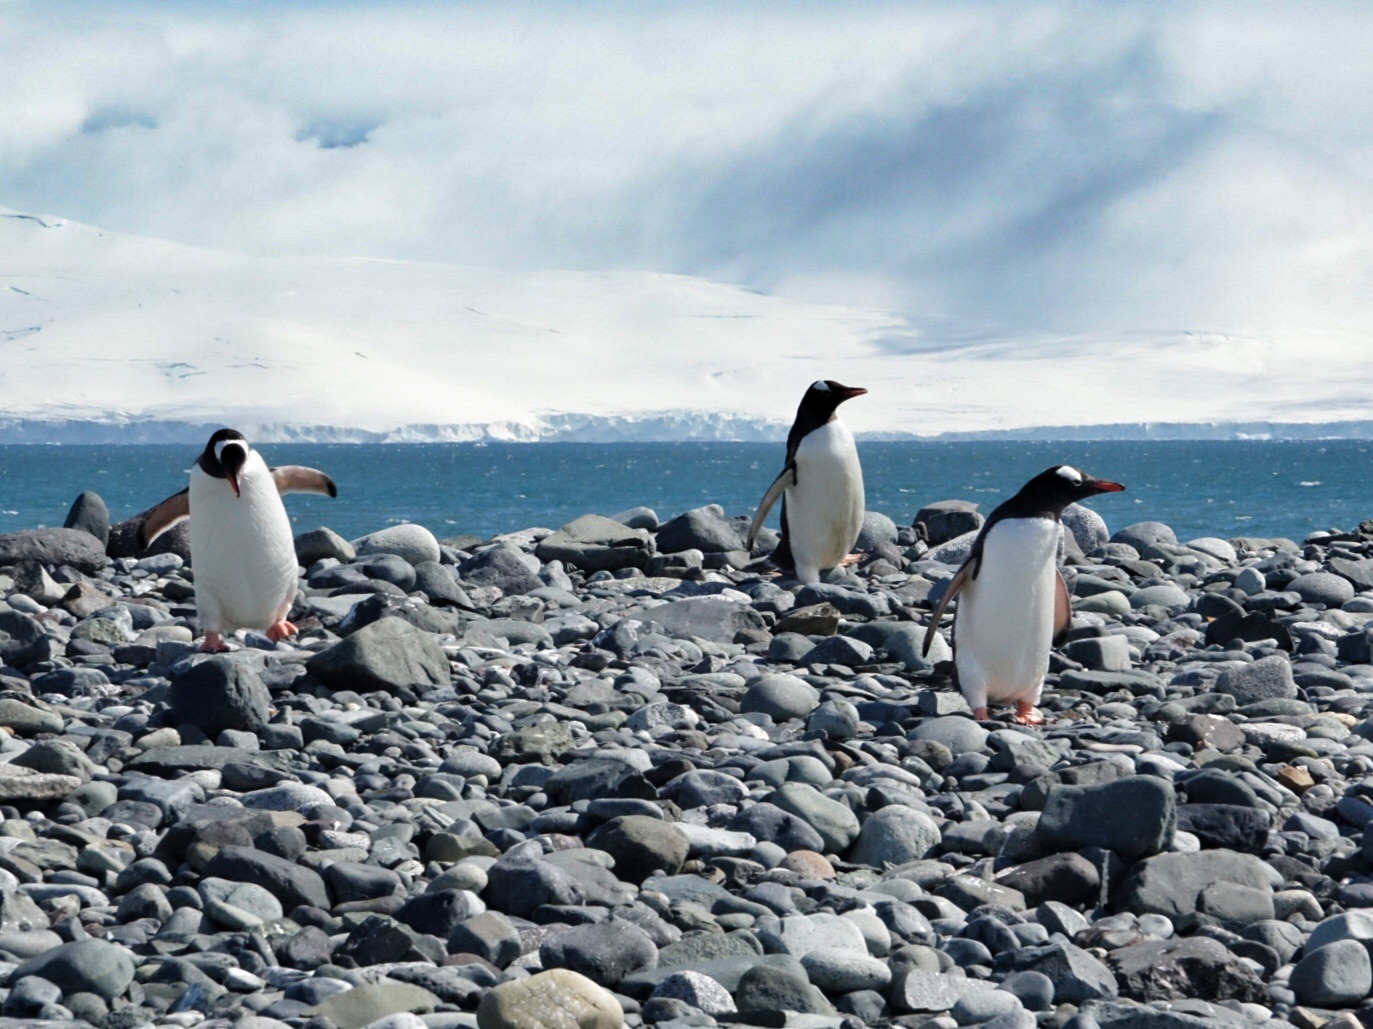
[669, 427]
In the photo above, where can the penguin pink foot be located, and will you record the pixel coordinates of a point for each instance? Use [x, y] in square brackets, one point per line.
[281, 630]
[1026, 714]
[852, 559]
[214, 644]
[981, 714]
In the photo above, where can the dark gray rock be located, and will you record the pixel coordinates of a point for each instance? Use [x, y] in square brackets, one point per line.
[701, 529]
[597, 544]
[317, 544]
[89, 514]
[836, 823]
[518, 886]
[1100, 653]
[83, 966]
[1350, 925]
[780, 696]
[1265, 679]
[895, 835]
[1226, 826]
[387, 655]
[53, 548]
[638, 518]
[1067, 878]
[1174, 884]
[1323, 588]
[488, 935]
[541, 742]
[703, 787]
[1179, 969]
[499, 567]
[604, 953]
[290, 883]
[709, 618]
[61, 757]
[1143, 536]
[1337, 975]
[1135, 817]
[376, 940]
[945, 520]
[1358, 572]
[877, 529]
[766, 991]
[839, 650]
[389, 568]
[769, 822]
[436, 582]
[641, 845]
[352, 882]
[1034, 990]
[1203, 731]
[219, 694]
[1077, 976]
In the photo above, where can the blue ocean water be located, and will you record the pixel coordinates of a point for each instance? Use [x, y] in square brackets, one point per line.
[1201, 488]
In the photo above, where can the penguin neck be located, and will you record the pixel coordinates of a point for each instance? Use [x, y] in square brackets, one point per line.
[1023, 506]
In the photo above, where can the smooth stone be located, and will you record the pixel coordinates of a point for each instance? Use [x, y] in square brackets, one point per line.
[412, 543]
[556, 999]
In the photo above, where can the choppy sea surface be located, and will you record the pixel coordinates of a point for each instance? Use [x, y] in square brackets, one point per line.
[1201, 488]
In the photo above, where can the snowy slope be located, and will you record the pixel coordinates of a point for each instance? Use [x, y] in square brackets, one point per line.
[98, 327]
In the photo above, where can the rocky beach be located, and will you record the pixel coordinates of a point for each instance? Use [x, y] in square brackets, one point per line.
[607, 775]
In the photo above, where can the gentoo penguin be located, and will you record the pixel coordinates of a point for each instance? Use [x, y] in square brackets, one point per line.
[1014, 604]
[242, 550]
[821, 486]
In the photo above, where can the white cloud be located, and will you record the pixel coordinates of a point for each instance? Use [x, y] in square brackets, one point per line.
[1011, 168]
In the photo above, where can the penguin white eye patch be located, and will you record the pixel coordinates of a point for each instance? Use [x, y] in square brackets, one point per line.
[219, 447]
[821, 385]
[1071, 474]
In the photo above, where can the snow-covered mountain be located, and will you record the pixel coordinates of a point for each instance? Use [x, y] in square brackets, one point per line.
[112, 336]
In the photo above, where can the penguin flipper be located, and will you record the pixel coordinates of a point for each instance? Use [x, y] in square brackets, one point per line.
[1063, 610]
[961, 578]
[295, 478]
[172, 511]
[781, 557]
[778, 487]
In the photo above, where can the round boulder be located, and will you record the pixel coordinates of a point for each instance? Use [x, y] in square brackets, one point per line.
[1323, 588]
[895, 835]
[557, 999]
[1087, 527]
[641, 845]
[877, 529]
[413, 543]
[780, 696]
[605, 952]
[83, 966]
[1337, 975]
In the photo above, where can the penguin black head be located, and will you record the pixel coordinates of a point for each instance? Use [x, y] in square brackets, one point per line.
[224, 455]
[824, 397]
[1055, 488]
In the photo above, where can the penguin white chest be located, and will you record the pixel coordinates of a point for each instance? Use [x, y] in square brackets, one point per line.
[1004, 626]
[242, 550]
[825, 506]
